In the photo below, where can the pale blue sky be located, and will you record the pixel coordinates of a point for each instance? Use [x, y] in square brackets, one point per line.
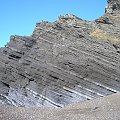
[18, 17]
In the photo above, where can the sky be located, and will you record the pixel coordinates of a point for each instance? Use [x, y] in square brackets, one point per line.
[19, 17]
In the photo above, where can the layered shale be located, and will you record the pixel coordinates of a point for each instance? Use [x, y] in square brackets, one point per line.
[63, 62]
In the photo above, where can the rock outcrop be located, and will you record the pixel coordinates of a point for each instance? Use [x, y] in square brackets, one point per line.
[113, 6]
[63, 62]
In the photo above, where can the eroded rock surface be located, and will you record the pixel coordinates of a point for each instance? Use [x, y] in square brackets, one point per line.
[105, 108]
[63, 62]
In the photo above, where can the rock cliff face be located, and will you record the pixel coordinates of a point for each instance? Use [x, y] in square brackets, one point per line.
[63, 62]
[113, 6]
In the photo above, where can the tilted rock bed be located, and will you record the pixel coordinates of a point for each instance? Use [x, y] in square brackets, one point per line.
[63, 62]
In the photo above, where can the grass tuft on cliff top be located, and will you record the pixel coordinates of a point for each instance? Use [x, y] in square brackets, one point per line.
[98, 33]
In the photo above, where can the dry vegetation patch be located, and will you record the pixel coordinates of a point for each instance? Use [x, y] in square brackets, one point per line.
[100, 34]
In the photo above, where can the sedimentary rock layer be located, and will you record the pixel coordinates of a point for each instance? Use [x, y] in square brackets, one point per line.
[106, 108]
[63, 62]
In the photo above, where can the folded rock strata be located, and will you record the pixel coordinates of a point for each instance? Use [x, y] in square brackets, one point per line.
[63, 62]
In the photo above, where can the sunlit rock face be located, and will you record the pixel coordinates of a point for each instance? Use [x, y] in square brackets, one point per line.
[63, 62]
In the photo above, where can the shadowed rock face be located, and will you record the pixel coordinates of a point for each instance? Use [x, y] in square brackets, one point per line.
[63, 62]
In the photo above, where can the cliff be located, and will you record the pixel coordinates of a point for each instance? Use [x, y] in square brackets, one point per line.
[63, 62]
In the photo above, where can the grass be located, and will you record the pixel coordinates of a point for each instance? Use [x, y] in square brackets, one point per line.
[98, 33]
